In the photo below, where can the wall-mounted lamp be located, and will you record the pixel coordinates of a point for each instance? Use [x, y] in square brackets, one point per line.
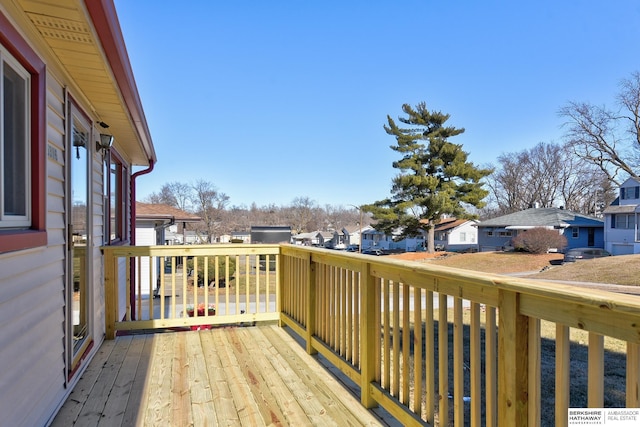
[105, 142]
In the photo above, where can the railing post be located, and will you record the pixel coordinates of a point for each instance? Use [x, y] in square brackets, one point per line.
[280, 286]
[513, 362]
[110, 294]
[369, 334]
[311, 306]
[633, 375]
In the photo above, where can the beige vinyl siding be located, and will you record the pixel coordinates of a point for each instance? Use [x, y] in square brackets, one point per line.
[32, 296]
[32, 302]
[97, 224]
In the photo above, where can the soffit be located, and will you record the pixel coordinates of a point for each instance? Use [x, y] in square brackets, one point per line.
[68, 30]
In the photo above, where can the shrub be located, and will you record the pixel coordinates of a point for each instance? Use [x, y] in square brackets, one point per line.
[539, 240]
[211, 270]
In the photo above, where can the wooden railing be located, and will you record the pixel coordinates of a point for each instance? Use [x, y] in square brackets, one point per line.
[190, 286]
[430, 344]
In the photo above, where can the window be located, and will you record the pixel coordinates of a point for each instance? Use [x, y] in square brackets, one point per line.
[575, 232]
[115, 200]
[629, 193]
[489, 233]
[14, 205]
[624, 221]
[463, 236]
[505, 234]
[22, 143]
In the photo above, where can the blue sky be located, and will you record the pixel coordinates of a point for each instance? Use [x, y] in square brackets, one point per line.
[273, 100]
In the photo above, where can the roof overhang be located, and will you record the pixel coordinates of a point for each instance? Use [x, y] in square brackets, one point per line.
[167, 218]
[529, 227]
[622, 209]
[85, 39]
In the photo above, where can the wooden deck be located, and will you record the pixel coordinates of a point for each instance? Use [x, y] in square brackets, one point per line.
[237, 376]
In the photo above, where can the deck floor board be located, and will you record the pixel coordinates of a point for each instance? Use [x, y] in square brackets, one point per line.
[237, 376]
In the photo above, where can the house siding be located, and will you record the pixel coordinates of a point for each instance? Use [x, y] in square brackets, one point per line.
[623, 241]
[451, 238]
[32, 301]
[495, 242]
[146, 235]
[583, 238]
[35, 335]
[32, 339]
[35, 267]
[97, 227]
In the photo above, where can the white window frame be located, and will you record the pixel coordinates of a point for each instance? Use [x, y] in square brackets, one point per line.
[13, 221]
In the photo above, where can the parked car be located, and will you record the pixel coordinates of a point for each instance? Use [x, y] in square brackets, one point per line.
[377, 252]
[576, 254]
[353, 248]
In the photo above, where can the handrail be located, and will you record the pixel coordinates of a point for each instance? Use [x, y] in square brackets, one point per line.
[186, 286]
[403, 344]
[383, 323]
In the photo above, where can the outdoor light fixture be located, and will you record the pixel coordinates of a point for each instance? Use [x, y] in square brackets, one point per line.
[105, 142]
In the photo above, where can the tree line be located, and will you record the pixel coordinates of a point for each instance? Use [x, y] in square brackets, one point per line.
[202, 198]
[600, 149]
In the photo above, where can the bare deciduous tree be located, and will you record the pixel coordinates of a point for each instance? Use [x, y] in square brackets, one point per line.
[608, 139]
[206, 201]
[176, 194]
[337, 217]
[546, 175]
[304, 213]
[210, 203]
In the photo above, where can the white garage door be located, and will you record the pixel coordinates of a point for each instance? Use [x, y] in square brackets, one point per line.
[622, 249]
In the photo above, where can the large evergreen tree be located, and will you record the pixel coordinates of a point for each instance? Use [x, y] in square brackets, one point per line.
[435, 178]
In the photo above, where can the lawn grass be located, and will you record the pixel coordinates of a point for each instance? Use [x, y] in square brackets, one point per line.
[619, 270]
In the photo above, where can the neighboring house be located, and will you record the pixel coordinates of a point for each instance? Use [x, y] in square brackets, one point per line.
[192, 237]
[240, 237]
[152, 223]
[339, 239]
[354, 233]
[408, 244]
[621, 233]
[452, 234]
[324, 238]
[223, 238]
[580, 230]
[373, 238]
[73, 130]
[331, 239]
[307, 239]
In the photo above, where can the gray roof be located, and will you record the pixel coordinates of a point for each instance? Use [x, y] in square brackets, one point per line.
[543, 217]
[620, 209]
